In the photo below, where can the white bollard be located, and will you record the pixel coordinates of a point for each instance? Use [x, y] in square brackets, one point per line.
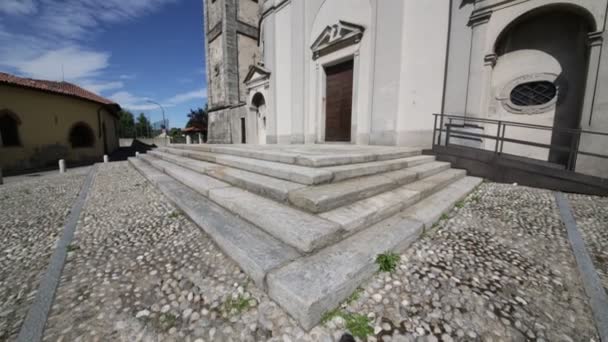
[200, 138]
[188, 140]
[61, 166]
[106, 159]
[136, 154]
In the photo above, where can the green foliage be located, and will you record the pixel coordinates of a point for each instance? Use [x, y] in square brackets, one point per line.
[73, 247]
[143, 128]
[167, 321]
[358, 325]
[126, 124]
[354, 296]
[475, 198]
[174, 215]
[459, 204]
[444, 217]
[238, 304]
[199, 118]
[387, 262]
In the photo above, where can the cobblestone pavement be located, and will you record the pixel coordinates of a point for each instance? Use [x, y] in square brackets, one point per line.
[32, 214]
[591, 214]
[497, 268]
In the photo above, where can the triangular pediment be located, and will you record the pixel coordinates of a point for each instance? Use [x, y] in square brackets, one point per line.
[335, 36]
[255, 73]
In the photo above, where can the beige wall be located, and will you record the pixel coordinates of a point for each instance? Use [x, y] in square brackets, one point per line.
[46, 120]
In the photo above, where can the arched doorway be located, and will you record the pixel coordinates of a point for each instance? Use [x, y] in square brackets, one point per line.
[259, 103]
[541, 73]
[9, 129]
[81, 136]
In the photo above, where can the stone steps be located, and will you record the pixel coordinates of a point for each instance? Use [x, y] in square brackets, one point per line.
[276, 189]
[312, 285]
[255, 251]
[304, 157]
[308, 260]
[306, 232]
[361, 214]
[288, 172]
[321, 198]
[296, 173]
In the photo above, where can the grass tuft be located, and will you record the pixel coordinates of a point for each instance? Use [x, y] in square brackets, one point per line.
[354, 296]
[72, 248]
[358, 325]
[174, 214]
[387, 262]
[238, 304]
[167, 321]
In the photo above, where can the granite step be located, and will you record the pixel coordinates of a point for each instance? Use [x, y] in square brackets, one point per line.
[288, 172]
[276, 189]
[299, 174]
[306, 232]
[344, 172]
[306, 158]
[254, 250]
[321, 198]
[308, 287]
[363, 213]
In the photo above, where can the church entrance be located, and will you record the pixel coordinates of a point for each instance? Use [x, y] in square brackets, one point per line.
[339, 99]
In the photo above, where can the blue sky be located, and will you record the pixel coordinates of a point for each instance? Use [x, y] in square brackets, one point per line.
[126, 50]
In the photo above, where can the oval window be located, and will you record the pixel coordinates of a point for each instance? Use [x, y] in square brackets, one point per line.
[533, 93]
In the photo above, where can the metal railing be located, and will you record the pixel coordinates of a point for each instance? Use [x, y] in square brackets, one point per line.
[453, 126]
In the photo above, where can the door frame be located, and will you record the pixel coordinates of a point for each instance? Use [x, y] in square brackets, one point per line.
[337, 57]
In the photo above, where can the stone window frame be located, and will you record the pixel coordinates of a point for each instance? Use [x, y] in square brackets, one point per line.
[504, 97]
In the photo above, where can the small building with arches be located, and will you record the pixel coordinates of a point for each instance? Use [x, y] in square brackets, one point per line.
[44, 121]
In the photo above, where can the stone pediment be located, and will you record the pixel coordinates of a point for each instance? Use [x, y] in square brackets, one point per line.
[256, 73]
[336, 37]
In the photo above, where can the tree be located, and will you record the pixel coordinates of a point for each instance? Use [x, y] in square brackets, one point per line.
[199, 119]
[143, 127]
[126, 124]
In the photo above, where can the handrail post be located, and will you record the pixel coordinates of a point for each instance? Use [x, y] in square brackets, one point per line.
[502, 141]
[434, 128]
[497, 136]
[447, 133]
[440, 130]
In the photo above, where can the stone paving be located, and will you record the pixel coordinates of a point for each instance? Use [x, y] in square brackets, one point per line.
[497, 268]
[32, 214]
[591, 214]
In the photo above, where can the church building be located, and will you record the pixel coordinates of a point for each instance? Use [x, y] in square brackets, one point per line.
[375, 71]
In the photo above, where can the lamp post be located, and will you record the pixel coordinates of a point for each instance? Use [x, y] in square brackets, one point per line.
[164, 121]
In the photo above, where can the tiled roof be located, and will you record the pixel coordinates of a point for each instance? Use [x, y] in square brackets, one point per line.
[63, 88]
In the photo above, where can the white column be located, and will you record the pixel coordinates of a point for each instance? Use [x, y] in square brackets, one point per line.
[200, 138]
[188, 140]
[480, 68]
[595, 49]
[61, 166]
[106, 159]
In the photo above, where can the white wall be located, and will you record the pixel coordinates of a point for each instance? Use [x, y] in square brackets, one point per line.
[282, 72]
[422, 57]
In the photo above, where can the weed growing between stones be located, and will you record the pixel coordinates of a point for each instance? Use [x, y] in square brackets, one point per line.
[354, 296]
[167, 321]
[174, 214]
[72, 248]
[237, 305]
[387, 262]
[358, 325]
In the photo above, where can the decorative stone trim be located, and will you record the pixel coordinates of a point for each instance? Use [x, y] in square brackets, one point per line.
[479, 18]
[504, 97]
[336, 37]
[595, 38]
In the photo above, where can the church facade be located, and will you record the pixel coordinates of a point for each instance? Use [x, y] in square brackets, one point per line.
[374, 72]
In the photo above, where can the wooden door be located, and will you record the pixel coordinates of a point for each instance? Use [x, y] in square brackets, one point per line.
[339, 99]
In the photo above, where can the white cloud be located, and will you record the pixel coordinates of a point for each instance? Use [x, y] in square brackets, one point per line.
[133, 102]
[18, 7]
[76, 18]
[127, 77]
[69, 63]
[98, 88]
[191, 95]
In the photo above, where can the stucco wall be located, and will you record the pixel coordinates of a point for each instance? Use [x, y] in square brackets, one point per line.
[46, 120]
[248, 55]
[248, 12]
[216, 74]
[214, 12]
